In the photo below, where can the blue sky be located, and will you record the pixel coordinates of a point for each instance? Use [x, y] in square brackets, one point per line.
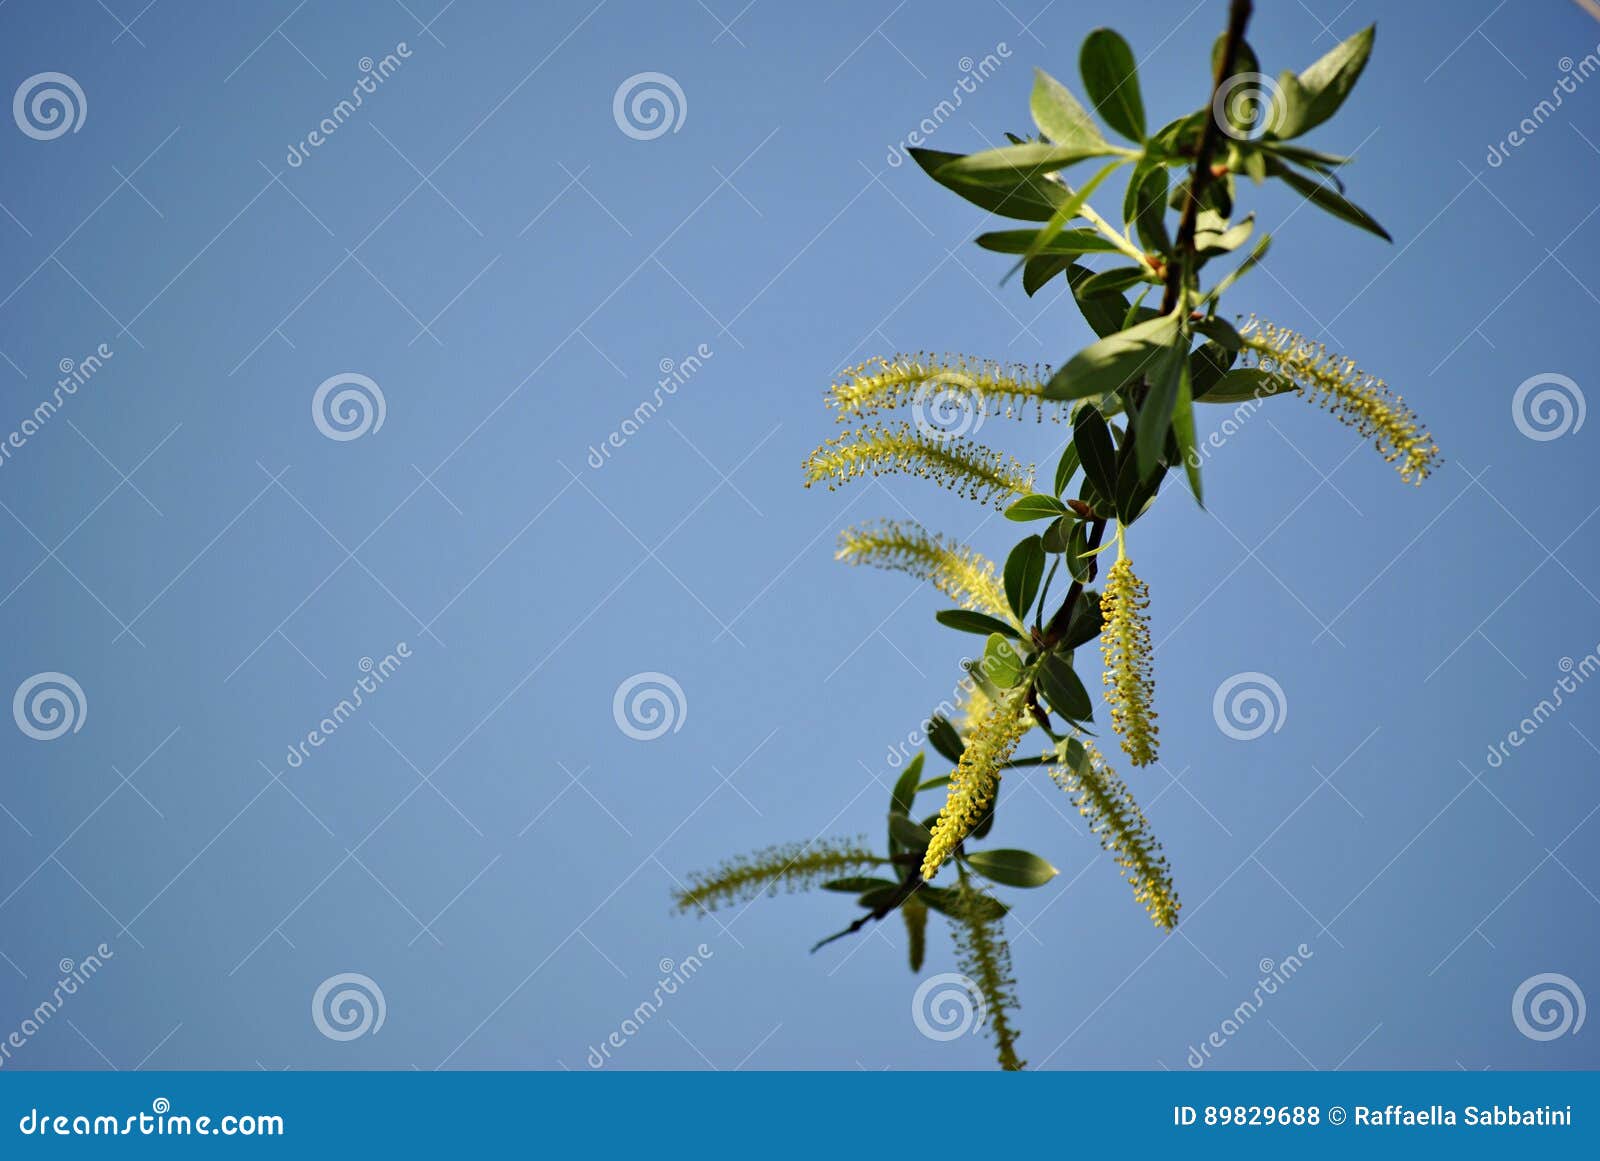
[484, 242]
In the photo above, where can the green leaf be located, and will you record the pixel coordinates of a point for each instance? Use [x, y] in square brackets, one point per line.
[879, 897]
[912, 835]
[1038, 271]
[938, 783]
[1032, 199]
[1061, 118]
[1012, 868]
[1183, 429]
[1077, 554]
[905, 787]
[1242, 269]
[1104, 313]
[1024, 568]
[1067, 242]
[1326, 198]
[1113, 281]
[1111, 78]
[1155, 413]
[947, 901]
[1055, 537]
[1114, 361]
[1035, 506]
[1208, 363]
[944, 738]
[1001, 662]
[1062, 689]
[915, 912]
[1066, 466]
[1329, 81]
[1092, 438]
[1012, 163]
[1246, 383]
[1149, 217]
[1287, 113]
[1221, 241]
[1136, 488]
[972, 621]
[1219, 331]
[855, 884]
[1242, 114]
[1069, 209]
[1086, 623]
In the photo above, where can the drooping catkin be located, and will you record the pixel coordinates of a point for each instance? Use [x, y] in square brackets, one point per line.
[1355, 398]
[906, 546]
[940, 383]
[976, 779]
[955, 462]
[1129, 679]
[1116, 819]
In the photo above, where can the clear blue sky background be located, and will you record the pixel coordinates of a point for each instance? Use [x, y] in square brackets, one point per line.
[484, 242]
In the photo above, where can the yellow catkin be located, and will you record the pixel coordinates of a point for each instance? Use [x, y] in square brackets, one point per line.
[1357, 399]
[976, 779]
[962, 465]
[1115, 818]
[1125, 644]
[905, 546]
[974, 386]
[792, 866]
[984, 957]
